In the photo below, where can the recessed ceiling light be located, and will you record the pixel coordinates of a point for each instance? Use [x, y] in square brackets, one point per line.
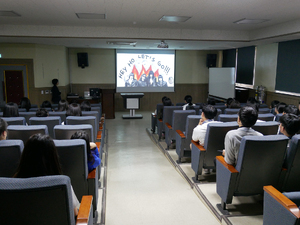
[9, 13]
[175, 18]
[250, 21]
[91, 16]
[132, 43]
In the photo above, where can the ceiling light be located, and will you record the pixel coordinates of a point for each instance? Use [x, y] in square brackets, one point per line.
[91, 16]
[132, 43]
[250, 21]
[163, 44]
[9, 13]
[175, 19]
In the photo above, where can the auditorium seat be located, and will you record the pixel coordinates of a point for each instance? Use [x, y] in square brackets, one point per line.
[178, 123]
[10, 154]
[80, 120]
[184, 137]
[61, 114]
[24, 132]
[263, 110]
[203, 156]
[15, 120]
[154, 119]
[222, 107]
[227, 118]
[281, 208]
[43, 200]
[50, 122]
[95, 114]
[22, 110]
[266, 116]
[259, 163]
[277, 117]
[266, 128]
[27, 115]
[73, 159]
[62, 132]
[231, 111]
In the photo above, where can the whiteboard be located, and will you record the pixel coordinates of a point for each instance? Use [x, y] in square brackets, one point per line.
[222, 82]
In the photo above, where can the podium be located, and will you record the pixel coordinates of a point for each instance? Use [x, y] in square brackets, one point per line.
[132, 102]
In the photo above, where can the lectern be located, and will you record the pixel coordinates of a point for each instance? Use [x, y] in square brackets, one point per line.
[132, 102]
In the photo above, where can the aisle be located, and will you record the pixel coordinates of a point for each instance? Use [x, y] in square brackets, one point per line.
[142, 186]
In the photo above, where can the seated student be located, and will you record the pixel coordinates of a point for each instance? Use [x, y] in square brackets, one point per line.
[46, 104]
[40, 158]
[85, 106]
[62, 105]
[235, 104]
[290, 109]
[92, 150]
[272, 107]
[188, 101]
[3, 129]
[166, 102]
[42, 113]
[279, 107]
[228, 102]
[74, 110]
[207, 116]
[247, 117]
[11, 110]
[289, 124]
[25, 104]
[211, 102]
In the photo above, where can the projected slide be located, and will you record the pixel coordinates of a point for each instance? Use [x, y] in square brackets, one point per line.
[145, 71]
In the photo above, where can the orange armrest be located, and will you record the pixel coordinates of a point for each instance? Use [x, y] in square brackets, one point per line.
[169, 126]
[231, 168]
[98, 145]
[283, 200]
[160, 120]
[84, 210]
[99, 134]
[92, 174]
[180, 133]
[200, 147]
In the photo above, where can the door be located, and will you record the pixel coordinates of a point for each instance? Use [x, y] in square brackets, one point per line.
[13, 84]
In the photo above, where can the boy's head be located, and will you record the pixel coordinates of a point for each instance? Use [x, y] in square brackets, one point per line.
[289, 124]
[167, 102]
[291, 109]
[247, 116]
[279, 107]
[188, 99]
[274, 103]
[209, 111]
[3, 129]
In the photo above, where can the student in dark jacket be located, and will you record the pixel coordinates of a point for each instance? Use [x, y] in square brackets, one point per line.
[55, 92]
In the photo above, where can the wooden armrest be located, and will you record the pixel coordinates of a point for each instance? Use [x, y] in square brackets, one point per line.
[99, 134]
[180, 133]
[231, 168]
[283, 200]
[200, 147]
[169, 126]
[160, 120]
[92, 174]
[98, 145]
[84, 210]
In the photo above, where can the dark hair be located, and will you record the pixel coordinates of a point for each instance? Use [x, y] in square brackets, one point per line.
[209, 111]
[228, 102]
[280, 107]
[160, 76]
[235, 104]
[167, 102]
[84, 136]
[291, 109]
[25, 103]
[163, 98]
[151, 73]
[291, 123]
[188, 99]
[42, 113]
[74, 110]
[274, 103]
[3, 126]
[254, 106]
[62, 105]
[253, 101]
[248, 116]
[11, 110]
[46, 104]
[211, 102]
[54, 81]
[85, 106]
[39, 158]
[190, 107]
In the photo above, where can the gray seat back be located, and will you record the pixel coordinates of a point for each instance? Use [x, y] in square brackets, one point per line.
[10, 154]
[27, 115]
[15, 120]
[222, 107]
[277, 117]
[214, 140]
[259, 163]
[179, 119]
[99, 110]
[266, 128]
[61, 114]
[168, 113]
[219, 111]
[62, 132]
[23, 132]
[93, 113]
[231, 111]
[266, 117]
[22, 110]
[73, 160]
[50, 122]
[263, 110]
[292, 181]
[191, 122]
[80, 120]
[227, 118]
[43, 200]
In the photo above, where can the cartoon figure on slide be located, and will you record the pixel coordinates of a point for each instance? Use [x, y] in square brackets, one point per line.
[161, 82]
[151, 80]
[131, 82]
[142, 82]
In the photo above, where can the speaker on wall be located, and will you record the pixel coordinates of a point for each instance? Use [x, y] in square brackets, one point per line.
[82, 59]
[211, 60]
